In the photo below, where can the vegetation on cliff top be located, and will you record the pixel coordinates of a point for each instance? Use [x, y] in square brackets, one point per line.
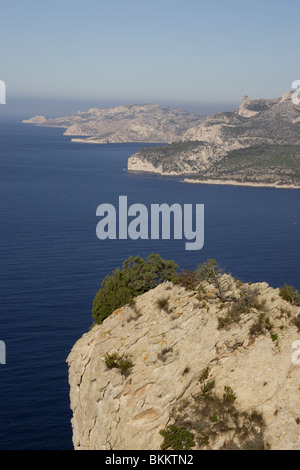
[138, 276]
[264, 163]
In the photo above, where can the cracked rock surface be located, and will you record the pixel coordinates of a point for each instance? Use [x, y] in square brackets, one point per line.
[170, 348]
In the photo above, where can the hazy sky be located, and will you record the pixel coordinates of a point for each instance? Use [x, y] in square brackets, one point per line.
[68, 54]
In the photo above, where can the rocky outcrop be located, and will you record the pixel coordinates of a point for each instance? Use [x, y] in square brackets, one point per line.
[185, 354]
[177, 159]
[254, 122]
[137, 123]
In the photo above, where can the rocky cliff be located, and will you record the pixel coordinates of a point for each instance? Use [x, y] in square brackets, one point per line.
[204, 372]
[137, 123]
[259, 142]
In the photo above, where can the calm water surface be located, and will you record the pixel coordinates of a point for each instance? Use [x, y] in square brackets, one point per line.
[52, 264]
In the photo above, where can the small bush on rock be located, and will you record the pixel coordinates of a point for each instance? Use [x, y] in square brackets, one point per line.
[177, 438]
[114, 361]
[290, 294]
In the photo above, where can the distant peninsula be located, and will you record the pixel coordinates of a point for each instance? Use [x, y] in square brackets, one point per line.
[147, 123]
[256, 145]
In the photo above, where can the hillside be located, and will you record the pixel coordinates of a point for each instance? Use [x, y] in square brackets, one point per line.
[137, 123]
[259, 142]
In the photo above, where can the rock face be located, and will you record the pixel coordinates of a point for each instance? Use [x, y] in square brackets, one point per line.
[256, 123]
[136, 123]
[180, 353]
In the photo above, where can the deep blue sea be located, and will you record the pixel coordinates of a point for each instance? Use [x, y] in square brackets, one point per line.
[52, 263]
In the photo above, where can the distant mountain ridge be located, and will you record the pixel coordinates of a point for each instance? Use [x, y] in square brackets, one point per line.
[229, 146]
[136, 123]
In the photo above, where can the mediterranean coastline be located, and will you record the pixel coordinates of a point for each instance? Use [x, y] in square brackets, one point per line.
[238, 183]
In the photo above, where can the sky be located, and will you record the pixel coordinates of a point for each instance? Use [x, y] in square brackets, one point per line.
[57, 57]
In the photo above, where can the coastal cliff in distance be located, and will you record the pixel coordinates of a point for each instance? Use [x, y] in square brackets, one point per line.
[137, 123]
[259, 143]
[205, 372]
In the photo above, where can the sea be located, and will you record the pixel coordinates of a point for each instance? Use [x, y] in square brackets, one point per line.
[52, 263]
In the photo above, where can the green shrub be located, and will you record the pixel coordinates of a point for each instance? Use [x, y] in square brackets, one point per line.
[290, 294]
[177, 438]
[163, 304]
[114, 361]
[207, 388]
[205, 374]
[211, 272]
[228, 395]
[268, 324]
[134, 278]
[274, 337]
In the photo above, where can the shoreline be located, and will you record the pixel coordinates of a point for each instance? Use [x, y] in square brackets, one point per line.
[85, 140]
[237, 183]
